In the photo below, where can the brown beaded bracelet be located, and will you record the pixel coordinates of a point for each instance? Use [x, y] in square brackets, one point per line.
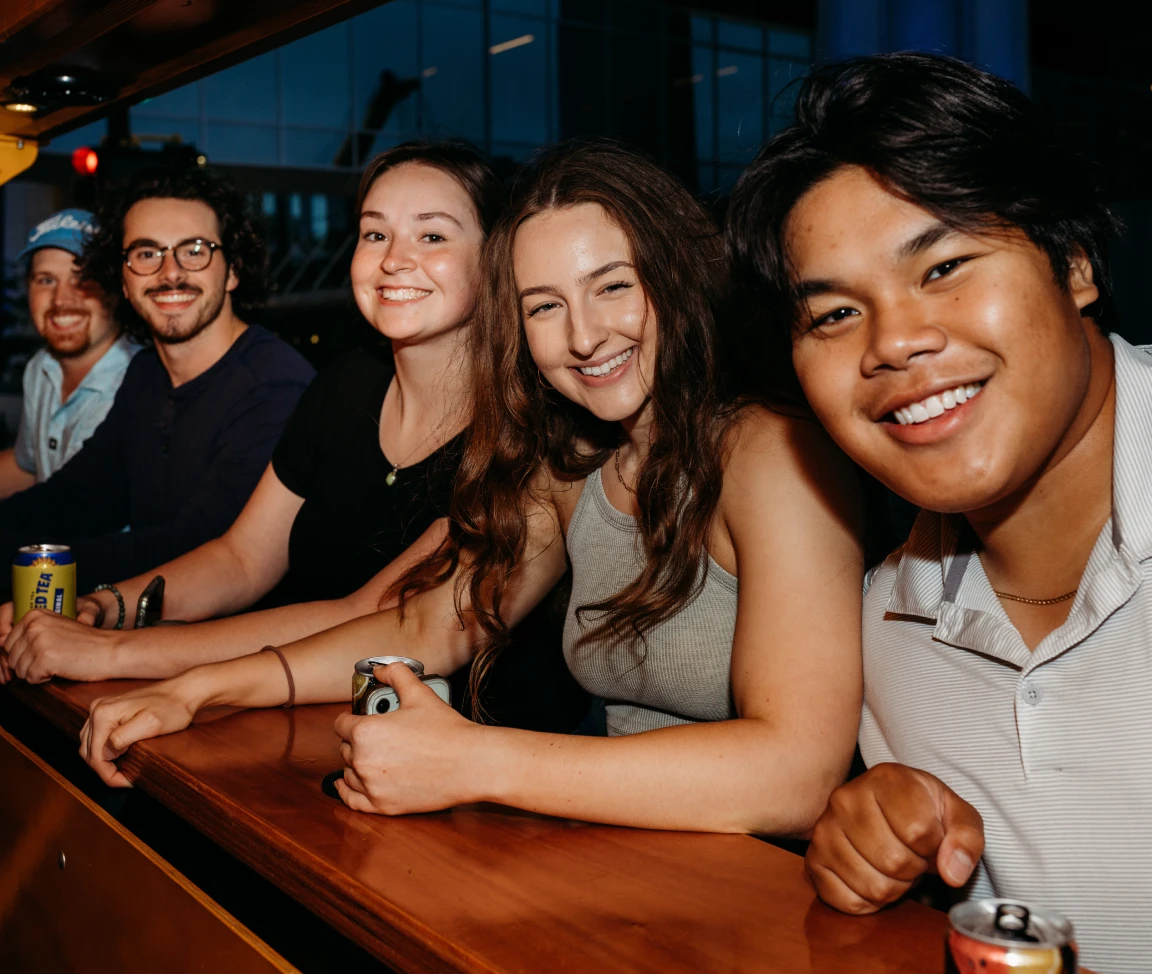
[287, 673]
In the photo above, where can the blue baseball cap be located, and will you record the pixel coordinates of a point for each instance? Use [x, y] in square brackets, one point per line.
[68, 230]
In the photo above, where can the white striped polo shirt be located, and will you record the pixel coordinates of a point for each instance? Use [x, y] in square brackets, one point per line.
[1054, 746]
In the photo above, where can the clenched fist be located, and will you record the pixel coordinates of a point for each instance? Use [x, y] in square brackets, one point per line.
[885, 829]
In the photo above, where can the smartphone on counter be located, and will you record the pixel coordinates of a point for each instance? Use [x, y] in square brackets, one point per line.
[151, 604]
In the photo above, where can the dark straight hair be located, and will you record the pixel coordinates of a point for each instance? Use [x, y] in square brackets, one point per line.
[965, 145]
[459, 159]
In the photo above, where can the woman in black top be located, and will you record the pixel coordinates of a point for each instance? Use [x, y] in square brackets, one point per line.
[360, 481]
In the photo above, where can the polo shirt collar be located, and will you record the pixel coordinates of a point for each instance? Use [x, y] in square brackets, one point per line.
[106, 373]
[1132, 457]
[927, 555]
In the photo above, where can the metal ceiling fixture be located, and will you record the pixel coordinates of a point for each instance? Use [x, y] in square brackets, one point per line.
[57, 87]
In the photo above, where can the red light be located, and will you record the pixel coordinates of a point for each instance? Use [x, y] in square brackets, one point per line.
[85, 161]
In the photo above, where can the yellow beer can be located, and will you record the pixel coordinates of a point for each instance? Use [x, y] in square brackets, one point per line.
[44, 577]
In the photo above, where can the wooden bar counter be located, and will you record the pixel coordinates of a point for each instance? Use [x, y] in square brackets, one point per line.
[486, 888]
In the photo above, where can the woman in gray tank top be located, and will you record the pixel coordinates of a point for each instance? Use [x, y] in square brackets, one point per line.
[716, 566]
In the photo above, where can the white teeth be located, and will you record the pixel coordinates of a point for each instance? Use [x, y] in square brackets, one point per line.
[403, 293]
[937, 405]
[66, 321]
[178, 297]
[606, 367]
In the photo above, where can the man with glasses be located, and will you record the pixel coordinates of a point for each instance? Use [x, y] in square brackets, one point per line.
[194, 423]
[69, 384]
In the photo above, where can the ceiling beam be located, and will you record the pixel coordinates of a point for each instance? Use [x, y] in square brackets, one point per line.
[27, 58]
[15, 15]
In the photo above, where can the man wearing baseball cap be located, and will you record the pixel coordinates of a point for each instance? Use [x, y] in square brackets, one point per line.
[69, 384]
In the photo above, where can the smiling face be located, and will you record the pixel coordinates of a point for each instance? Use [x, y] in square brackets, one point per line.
[954, 368]
[71, 315]
[589, 325]
[176, 303]
[416, 266]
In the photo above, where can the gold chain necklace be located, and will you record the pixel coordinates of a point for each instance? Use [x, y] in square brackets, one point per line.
[1020, 598]
[620, 476]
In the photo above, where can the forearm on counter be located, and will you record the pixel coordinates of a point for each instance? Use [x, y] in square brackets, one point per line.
[160, 652]
[737, 776]
[322, 663]
[211, 580]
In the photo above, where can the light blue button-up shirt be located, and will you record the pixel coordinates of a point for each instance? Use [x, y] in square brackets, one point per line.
[52, 430]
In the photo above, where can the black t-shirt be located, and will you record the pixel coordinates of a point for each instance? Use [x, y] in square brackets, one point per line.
[176, 465]
[352, 523]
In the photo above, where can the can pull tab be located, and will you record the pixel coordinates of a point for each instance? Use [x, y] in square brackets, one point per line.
[1012, 923]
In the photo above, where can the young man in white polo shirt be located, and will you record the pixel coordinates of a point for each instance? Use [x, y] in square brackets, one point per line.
[942, 263]
[69, 384]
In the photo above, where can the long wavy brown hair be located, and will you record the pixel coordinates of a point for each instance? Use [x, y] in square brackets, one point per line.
[519, 425]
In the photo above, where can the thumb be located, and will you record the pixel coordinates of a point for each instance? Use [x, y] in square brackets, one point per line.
[963, 843]
[408, 685]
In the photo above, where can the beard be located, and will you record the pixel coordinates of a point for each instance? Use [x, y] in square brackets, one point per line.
[170, 332]
[73, 342]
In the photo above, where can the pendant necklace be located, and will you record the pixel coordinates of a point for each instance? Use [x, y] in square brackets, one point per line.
[391, 478]
[392, 474]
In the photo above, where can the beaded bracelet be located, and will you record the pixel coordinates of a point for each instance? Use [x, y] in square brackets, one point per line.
[119, 600]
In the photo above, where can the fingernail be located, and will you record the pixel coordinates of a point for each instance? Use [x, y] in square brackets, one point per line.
[959, 866]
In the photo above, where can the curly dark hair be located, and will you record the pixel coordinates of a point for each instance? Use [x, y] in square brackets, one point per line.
[241, 243]
[518, 425]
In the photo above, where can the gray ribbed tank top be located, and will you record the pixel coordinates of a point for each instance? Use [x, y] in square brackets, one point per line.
[683, 674]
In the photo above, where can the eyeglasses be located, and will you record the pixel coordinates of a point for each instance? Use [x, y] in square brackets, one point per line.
[191, 255]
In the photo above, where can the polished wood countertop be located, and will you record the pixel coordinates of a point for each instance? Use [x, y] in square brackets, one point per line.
[487, 888]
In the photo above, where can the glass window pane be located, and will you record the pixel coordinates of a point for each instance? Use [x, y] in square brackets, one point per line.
[518, 63]
[165, 129]
[744, 36]
[740, 98]
[783, 85]
[536, 7]
[315, 79]
[702, 29]
[789, 42]
[453, 93]
[315, 148]
[183, 102]
[243, 93]
[387, 68]
[89, 135]
[702, 80]
[256, 144]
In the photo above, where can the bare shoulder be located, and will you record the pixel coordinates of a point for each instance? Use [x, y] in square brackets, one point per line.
[760, 438]
[553, 498]
[786, 459]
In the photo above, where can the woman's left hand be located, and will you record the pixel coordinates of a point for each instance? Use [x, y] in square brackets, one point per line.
[420, 758]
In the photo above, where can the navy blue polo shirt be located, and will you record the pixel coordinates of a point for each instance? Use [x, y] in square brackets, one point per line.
[174, 465]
